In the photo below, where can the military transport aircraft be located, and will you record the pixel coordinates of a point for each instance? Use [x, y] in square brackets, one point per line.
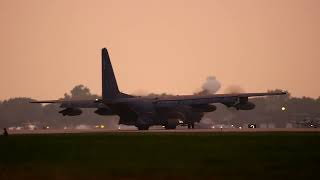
[144, 112]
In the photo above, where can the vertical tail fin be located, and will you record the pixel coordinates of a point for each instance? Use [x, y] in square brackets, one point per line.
[109, 83]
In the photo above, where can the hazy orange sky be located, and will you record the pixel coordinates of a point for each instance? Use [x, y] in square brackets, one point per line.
[49, 46]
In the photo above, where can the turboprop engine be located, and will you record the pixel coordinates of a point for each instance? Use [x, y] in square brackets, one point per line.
[71, 112]
[244, 104]
[203, 108]
[103, 111]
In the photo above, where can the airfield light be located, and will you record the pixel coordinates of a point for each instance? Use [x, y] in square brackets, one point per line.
[102, 126]
[283, 108]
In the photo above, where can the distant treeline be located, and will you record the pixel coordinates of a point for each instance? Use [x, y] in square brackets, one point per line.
[277, 110]
[19, 112]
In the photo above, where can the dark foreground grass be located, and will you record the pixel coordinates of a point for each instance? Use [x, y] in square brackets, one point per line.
[161, 155]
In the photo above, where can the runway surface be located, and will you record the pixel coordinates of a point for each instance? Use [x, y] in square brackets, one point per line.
[155, 130]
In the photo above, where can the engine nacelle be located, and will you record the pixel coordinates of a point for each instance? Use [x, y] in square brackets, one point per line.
[104, 111]
[204, 108]
[71, 112]
[245, 106]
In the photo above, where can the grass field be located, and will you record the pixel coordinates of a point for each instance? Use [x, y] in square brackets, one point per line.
[161, 155]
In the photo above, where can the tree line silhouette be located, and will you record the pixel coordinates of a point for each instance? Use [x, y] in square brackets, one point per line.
[277, 110]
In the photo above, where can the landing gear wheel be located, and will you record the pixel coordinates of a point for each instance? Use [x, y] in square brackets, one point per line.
[171, 124]
[170, 127]
[191, 125]
[143, 127]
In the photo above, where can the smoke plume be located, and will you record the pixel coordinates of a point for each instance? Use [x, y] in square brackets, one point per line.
[211, 86]
[234, 89]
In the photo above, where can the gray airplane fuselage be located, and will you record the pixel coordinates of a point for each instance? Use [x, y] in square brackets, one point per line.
[148, 111]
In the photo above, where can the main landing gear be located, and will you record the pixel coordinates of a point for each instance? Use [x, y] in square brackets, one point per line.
[191, 125]
[170, 126]
[143, 127]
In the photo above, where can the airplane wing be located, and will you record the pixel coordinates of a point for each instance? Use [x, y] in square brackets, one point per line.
[252, 94]
[74, 103]
[209, 99]
[164, 101]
